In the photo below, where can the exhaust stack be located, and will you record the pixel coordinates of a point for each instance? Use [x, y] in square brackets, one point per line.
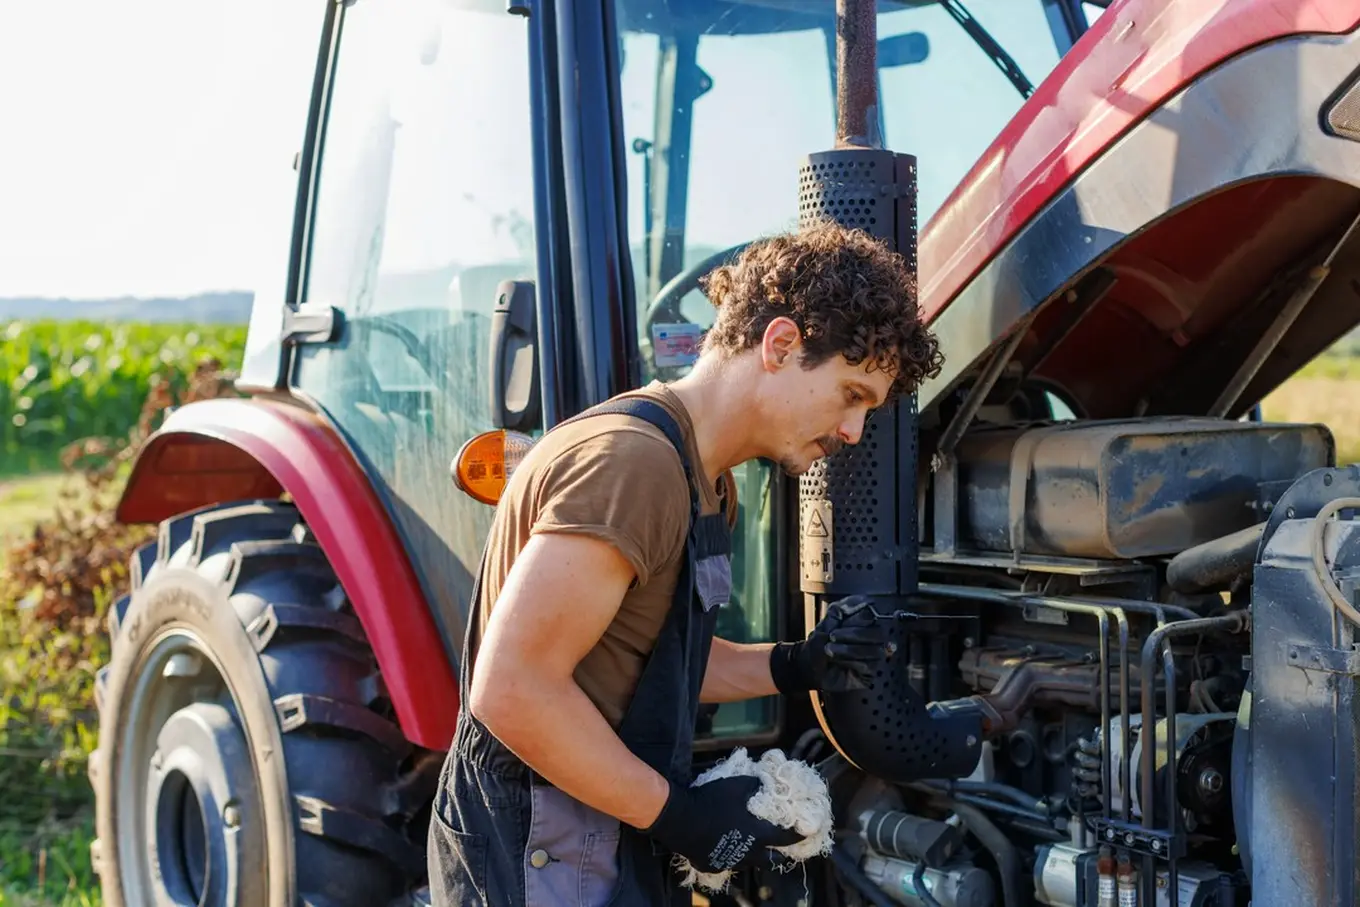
[857, 509]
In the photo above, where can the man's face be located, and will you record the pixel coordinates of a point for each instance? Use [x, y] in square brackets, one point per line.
[813, 413]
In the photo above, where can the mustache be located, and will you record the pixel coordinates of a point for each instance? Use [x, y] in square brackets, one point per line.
[831, 444]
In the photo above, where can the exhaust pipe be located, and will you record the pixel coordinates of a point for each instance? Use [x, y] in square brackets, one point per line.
[857, 508]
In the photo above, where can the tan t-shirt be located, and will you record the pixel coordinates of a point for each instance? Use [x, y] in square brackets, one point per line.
[615, 478]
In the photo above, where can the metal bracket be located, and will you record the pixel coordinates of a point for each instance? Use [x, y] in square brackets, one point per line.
[1150, 842]
[310, 322]
[1323, 658]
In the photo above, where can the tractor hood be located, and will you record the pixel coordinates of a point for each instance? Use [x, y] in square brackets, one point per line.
[1166, 225]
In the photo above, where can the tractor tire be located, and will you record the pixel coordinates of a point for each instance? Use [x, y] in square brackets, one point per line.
[247, 755]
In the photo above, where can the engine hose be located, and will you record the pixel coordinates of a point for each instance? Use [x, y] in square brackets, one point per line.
[1005, 791]
[918, 883]
[1319, 562]
[848, 868]
[1000, 847]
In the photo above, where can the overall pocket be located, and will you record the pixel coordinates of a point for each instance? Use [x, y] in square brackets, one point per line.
[713, 578]
[572, 855]
[457, 865]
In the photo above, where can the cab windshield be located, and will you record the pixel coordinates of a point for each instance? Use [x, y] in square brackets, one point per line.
[722, 98]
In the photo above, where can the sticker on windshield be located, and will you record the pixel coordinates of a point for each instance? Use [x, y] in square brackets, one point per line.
[675, 344]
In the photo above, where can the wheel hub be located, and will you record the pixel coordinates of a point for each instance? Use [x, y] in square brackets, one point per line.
[203, 836]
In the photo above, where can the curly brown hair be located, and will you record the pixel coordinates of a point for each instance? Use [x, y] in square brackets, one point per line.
[847, 292]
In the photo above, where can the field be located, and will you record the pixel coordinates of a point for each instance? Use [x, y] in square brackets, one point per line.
[65, 380]
[60, 383]
[71, 381]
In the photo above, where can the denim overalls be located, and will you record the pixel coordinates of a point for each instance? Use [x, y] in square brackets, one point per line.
[501, 835]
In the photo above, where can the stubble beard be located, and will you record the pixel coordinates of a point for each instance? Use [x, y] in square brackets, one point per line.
[830, 446]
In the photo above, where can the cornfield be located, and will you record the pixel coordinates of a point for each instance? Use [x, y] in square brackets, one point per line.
[60, 381]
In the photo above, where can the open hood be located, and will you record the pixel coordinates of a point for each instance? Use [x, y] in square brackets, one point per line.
[1165, 228]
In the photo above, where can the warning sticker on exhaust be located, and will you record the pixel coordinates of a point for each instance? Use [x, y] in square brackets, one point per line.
[816, 535]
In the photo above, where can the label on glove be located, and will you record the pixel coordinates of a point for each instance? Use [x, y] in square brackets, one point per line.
[818, 554]
[731, 848]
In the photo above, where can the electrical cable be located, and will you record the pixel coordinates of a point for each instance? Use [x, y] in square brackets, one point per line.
[1319, 562]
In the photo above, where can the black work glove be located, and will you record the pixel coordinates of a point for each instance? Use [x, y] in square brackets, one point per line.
[711, 827]
[840, 654]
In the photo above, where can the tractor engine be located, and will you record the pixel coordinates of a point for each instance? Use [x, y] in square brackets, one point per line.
[1071, 679]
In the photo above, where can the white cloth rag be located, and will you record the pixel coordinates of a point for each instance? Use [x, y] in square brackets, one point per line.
[792, 795]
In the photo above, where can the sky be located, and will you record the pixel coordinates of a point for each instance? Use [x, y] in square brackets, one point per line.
[138, 140]
[146, 145]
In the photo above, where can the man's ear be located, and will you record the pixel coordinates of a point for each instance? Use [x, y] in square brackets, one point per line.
[781, 345]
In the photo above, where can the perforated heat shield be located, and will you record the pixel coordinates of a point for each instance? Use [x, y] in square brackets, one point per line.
[857, 509]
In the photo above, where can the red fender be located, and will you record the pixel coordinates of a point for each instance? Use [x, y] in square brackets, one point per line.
[221, 450]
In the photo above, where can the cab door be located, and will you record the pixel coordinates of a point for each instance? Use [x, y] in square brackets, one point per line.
[427, 197]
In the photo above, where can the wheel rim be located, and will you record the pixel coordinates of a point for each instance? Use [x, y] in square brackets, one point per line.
[181, 838]
[185, 784]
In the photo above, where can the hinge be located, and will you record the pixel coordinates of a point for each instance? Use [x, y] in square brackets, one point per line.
[311, 322]
[1323, 658]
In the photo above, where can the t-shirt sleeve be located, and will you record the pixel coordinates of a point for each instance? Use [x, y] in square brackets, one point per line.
[622, 486]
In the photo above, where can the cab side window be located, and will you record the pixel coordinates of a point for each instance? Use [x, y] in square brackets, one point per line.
[424, 203]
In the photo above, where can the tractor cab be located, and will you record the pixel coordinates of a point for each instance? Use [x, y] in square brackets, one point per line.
[500, 247]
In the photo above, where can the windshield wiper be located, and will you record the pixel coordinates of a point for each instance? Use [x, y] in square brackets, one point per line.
[984, 40]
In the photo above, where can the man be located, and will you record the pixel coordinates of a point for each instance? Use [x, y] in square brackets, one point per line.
[590, 645]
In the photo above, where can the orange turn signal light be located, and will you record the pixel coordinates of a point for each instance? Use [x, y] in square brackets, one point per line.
[485, 462]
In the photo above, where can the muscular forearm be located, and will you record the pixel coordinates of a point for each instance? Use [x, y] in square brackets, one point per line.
[737, 671]
[555, 729]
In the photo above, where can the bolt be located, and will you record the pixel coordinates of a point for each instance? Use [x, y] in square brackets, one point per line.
[1210, 781]
[1109, 834]
[972, 741]
[968, 642]
[766, 892]
[1156, 846]
[231, 815]
[1128, 839]
[182, 664]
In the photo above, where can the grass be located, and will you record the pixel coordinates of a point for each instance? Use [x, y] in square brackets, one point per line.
[23, 502]
[46, 819]
[1330, 398]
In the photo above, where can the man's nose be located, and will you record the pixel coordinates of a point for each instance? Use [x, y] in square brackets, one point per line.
[852, 429]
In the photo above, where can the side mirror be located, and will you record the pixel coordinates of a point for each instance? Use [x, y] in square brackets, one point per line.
[905, 49]
[515, 396]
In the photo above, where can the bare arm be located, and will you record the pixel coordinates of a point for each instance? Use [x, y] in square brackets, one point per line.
[737, 671]
[557, 602]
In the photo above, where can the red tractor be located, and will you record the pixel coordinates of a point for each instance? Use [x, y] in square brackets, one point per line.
[1127, 640]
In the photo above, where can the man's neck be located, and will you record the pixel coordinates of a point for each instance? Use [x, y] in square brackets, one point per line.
[721, 414]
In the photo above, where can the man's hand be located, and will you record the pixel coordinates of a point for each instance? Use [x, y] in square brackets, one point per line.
[840, 654]
[711, 826]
